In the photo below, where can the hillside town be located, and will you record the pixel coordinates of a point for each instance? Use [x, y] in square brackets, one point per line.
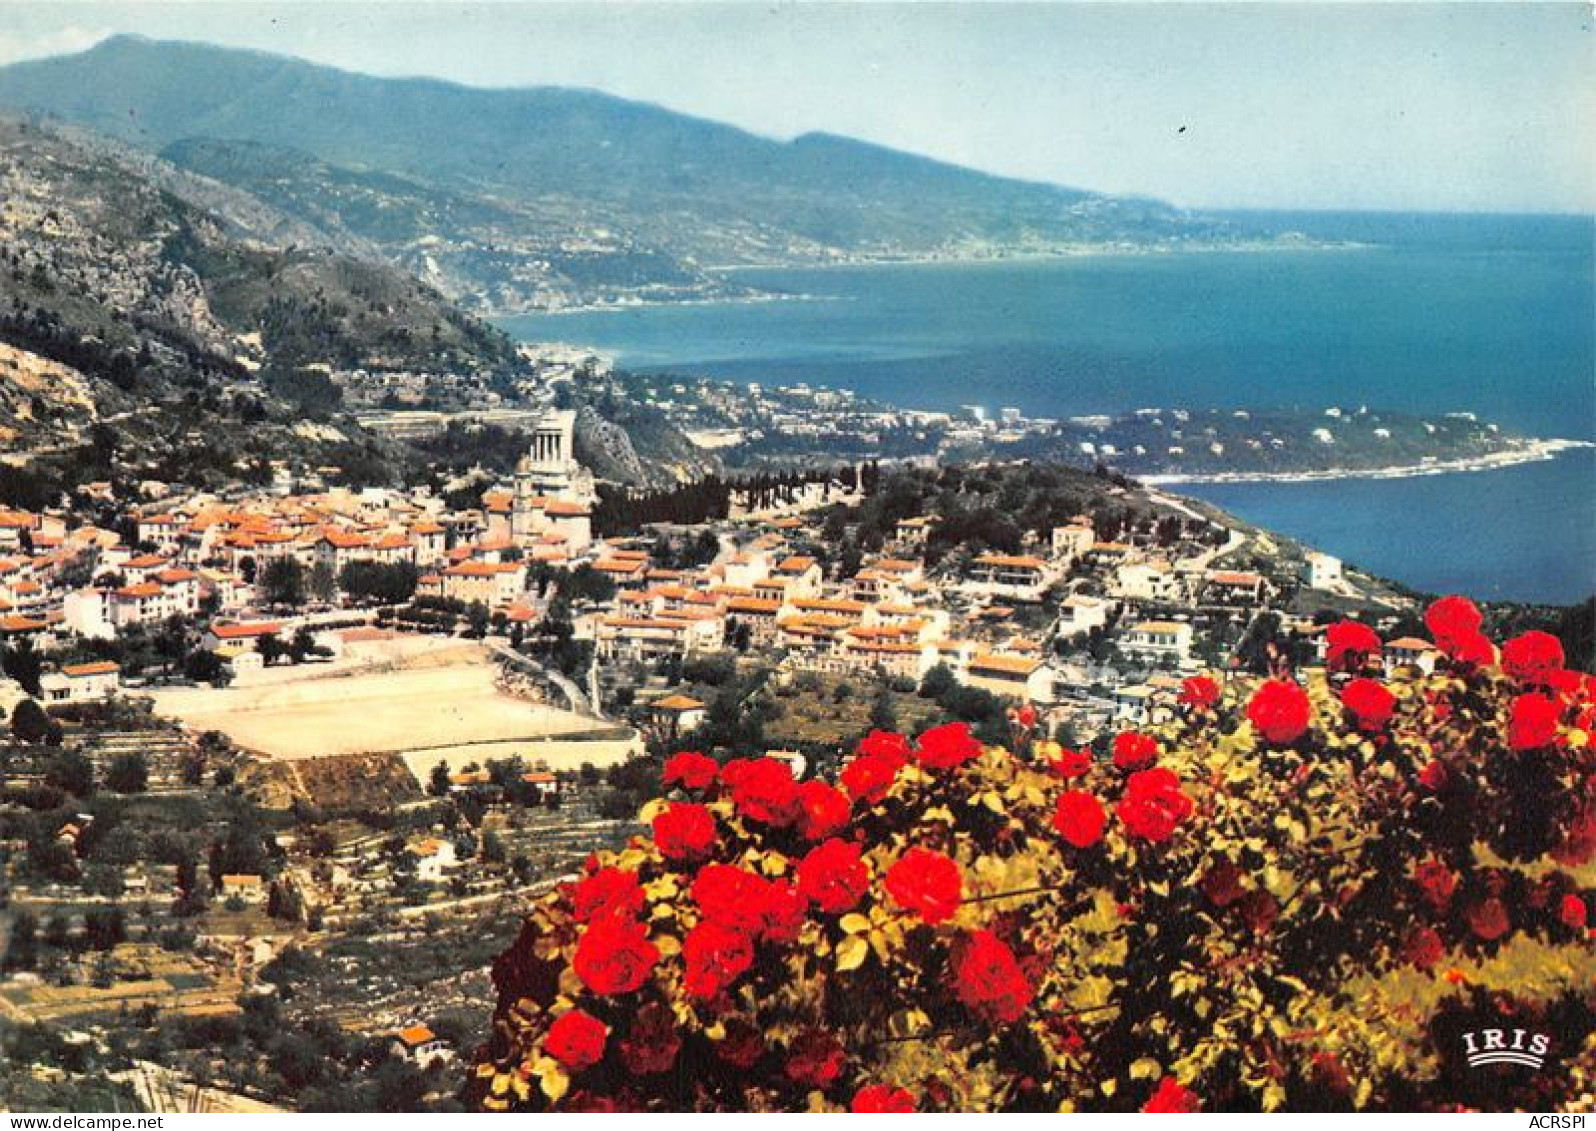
[173, 851]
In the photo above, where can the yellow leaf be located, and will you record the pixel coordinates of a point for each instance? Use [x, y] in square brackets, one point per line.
[854, 923]
[552, 1079]
[851, 953]
[878, 940]
[774, 864]
[1110, 1086]
[1146, 1069]
[661, 889]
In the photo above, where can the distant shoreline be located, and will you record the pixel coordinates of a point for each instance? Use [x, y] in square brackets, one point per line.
[1532, 451]
[1058, 255]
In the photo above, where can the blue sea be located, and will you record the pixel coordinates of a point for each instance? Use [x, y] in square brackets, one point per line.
[1430, 314]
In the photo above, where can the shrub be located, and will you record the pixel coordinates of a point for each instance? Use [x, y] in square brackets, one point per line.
[1254, 914]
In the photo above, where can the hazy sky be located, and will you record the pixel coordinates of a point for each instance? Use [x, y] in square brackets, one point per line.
[1445, 106]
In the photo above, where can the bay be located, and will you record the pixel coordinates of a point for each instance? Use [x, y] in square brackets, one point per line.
[1430, 314]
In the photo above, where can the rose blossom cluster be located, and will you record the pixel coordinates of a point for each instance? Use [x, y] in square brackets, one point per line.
[754, 881]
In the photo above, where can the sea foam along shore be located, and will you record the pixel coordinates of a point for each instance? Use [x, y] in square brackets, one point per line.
[1529, 451]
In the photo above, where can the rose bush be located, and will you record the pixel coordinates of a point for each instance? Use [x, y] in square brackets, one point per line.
[1297, 894]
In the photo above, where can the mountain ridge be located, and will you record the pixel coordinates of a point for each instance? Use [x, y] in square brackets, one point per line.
[604, 199]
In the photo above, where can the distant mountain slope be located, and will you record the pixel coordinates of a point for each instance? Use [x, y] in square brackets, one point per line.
[152, 326]
[103, 250]
[614, 178]
[135, 318]
[491, 253]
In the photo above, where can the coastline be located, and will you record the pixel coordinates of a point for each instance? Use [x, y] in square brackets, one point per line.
[1056, 255]
[1061, 253]
[758, 298]
[1531, 451]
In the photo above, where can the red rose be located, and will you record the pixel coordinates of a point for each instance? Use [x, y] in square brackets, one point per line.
[1488, 920]
[1259, 911]
[1199, 692]
[764, 790]
[833, 876]
[927, 883]
[822, 810]
[684, 831]
[1171, 1098]
[815, 1059]
[1452, 618]
[576, 1040]
[614, 956]
[1437, 882]
[989, 981]
[652, 1045]
[1348, 645]
[1564, 681]
[1474, 650]
[1134, 751]
[1434, 776]
[1578, 845]
[885, 744]
[1572, 912]
[583, 1100]
[608, 891]
[1025, 716]
[691, 770]
[743, 1044]
[1533, 657]
[1071, 764]
[1153, 805]
[1533, 722]
[1222, 883]
[1423, 948]
[1279, 711]
[868, 777]
[731, 896]
[947, 747]
[1080, 818]
[881, 1099]
[1329, 1072]
[714, 956]
[784, 912]
[1370, 702]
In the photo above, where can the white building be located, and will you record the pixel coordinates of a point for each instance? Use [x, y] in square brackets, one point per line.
[77, 683]
[434, 856]
[88, 613]
[1072, 541]
[1321, 571]
[421, 1046]
[1015, 677]
[1014, 576]
[1146, 581]
[1158, 640]
[1079, 614]
[553, 493]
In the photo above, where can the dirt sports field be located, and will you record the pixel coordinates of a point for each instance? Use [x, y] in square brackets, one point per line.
[400, 694]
